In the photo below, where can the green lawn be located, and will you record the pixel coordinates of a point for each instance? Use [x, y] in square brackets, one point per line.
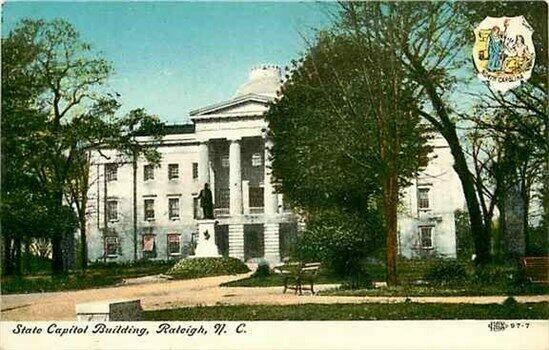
[98, 275]
[407, 271]
[277, 280]
[462, 290]
[367, 311]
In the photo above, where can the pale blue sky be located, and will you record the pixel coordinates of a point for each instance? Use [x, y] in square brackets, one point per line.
[172, 57]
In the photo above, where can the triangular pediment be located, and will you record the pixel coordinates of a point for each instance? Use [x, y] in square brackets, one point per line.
[247, 104]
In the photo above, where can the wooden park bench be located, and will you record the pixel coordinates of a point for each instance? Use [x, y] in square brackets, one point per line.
[536, 269]
[299, 276]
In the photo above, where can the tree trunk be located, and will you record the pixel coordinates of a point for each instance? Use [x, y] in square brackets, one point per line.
[390, 195]
[525, 194]
[134, 166]
[480, 232]
[84, 245]
[7, 265]
[17, 256]
[58, 266]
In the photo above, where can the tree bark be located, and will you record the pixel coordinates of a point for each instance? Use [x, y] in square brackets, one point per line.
[58, 266]
[390, 202]
[444, 124]
[481, 233]
[17, 256]
[7, 265]
[83, 245]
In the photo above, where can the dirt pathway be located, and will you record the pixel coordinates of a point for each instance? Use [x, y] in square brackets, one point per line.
[203, 291]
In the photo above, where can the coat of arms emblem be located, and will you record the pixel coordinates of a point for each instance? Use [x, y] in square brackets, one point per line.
[504, 52]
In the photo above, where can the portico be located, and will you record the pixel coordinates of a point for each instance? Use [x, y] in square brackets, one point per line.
[234, 157]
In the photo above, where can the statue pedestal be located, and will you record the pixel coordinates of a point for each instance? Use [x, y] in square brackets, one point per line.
[206, 247]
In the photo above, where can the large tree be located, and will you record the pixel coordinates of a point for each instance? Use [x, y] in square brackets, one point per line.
[76, 113]
[434, 41]
[347, 133]
[430, 40]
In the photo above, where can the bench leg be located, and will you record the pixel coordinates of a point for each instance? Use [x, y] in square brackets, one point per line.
[312, 290]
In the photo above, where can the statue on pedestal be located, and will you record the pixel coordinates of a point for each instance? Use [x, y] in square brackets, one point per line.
[206, 202]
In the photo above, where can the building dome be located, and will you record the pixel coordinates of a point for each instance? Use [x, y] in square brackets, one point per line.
[264, 80]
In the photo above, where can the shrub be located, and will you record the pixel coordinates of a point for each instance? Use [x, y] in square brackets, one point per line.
[510, 302]
[501, 275]
[262, 271]
[204, 267]
[447, 272]
[342, 242]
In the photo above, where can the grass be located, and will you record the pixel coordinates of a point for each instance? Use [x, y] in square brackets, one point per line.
[407, 271]
[366, 311]
[97, 275]
[277, 280]
[462, 290]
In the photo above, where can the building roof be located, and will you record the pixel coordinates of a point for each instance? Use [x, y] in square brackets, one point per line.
[179, 129]
[174, 129]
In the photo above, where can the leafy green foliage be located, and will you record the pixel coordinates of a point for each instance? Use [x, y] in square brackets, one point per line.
[447, 272]
[262, 271]
[56, 109]
[325, 126]
[98, 275]
[506, 275]
[205, 267]
[342, 242]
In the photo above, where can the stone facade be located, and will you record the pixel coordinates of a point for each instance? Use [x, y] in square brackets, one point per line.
[137, 210]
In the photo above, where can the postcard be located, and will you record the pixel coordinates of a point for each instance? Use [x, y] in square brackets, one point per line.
[274, 175]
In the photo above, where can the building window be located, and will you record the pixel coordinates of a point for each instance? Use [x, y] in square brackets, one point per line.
[195, 170]
[426, 237]
[174, 244]
[148, 172]
[256, 159]
[173, 171]
[225, 161]
[149, 209]
[148, 246]
[111, 171]
[173, 206]
[423, 198]
[111, 246]
[112, 210]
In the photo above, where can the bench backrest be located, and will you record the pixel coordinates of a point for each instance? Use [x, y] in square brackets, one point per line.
[299, 267]
[537, 268]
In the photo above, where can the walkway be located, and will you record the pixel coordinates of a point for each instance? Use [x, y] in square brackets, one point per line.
[203, 291]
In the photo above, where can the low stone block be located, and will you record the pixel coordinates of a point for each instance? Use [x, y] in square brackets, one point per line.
[109, 310]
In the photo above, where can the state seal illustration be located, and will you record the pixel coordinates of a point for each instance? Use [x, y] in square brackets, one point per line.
[504, 52]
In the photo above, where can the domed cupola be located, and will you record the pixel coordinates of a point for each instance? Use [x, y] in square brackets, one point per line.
[263, 80]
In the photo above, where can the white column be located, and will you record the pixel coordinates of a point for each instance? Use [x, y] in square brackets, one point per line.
[246, 196]
[203, 164]
[269, 196]
[235, 179]
[271, 242]
[236, 241]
